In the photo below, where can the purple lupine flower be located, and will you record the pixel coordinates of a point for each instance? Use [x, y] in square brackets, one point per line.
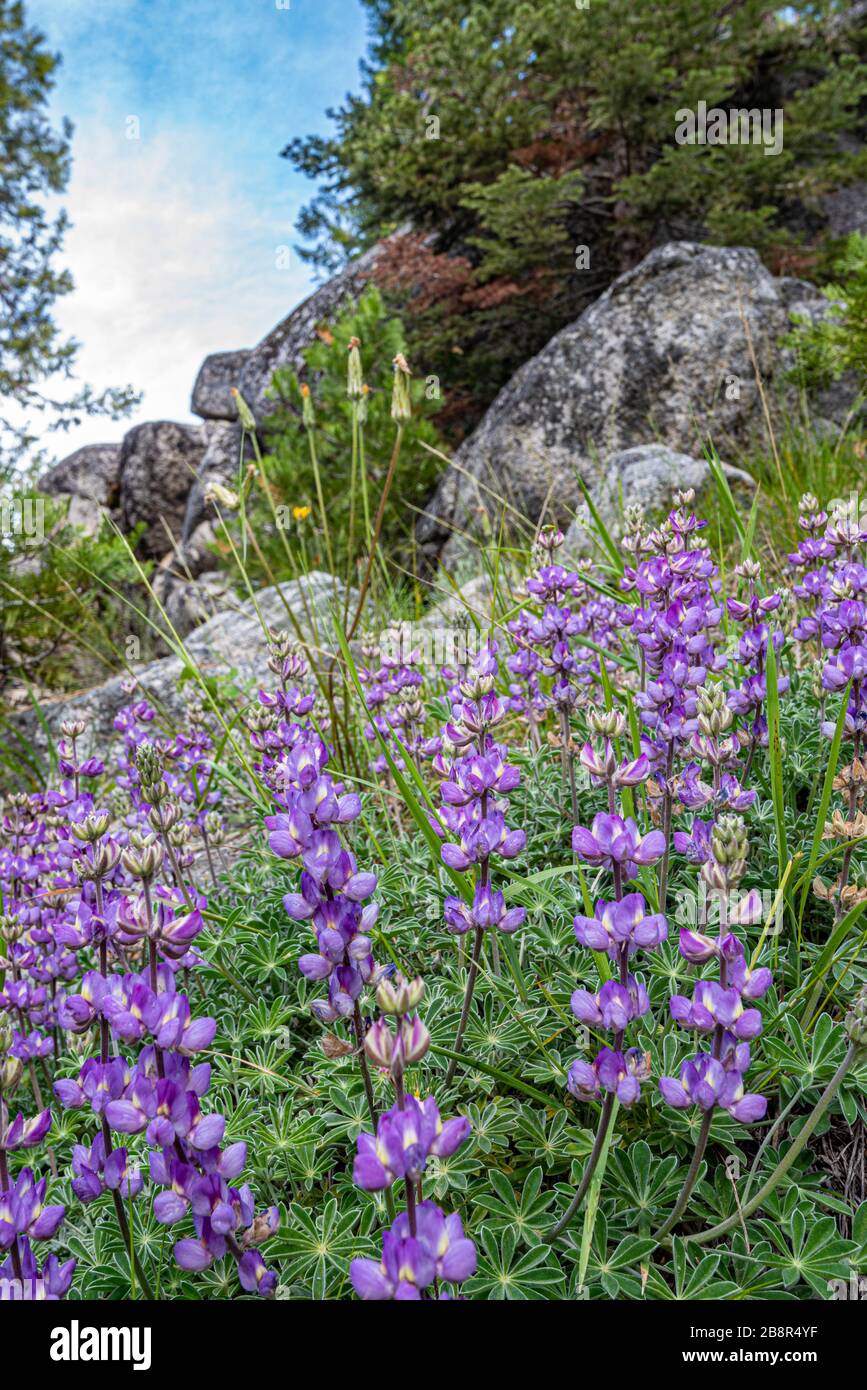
[614, 1071]
[24, 1134]
[713, 1006]
[410, 1264]
[95, 1173]
[717, 1007]
[488, 910]
[618, 924]
[613, 840]
[614, 1006]
[406, 1136]
[706, 1082]
[49, 1284]
[23, 1212]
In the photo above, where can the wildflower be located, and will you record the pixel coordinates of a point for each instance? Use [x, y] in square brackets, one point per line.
[617, 1072]
[614, 1006]
[410, 1263]
[706, 1082]
[618, 924]
[614, 840]
[406, 1137]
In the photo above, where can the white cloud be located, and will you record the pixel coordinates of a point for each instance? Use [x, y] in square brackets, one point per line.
[172, 259]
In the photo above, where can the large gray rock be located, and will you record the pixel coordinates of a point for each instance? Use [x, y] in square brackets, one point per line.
[846, 209]
[664, 355]
[646, 477]
[158, 466]
[92, 472]
[86, 514]
[219, 464]
[284, 345]
[232, 642]
[188, 603]
[212, 393]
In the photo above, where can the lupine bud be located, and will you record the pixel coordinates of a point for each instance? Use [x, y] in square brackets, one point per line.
[10, 927]
[166, 817]
[856, 1020]
[258, 719]
[143, 862]
[414, 1040]
[714, 715]
[354, 383]
[100, 862]
[549, 539]
[401, 405]
[729, 839]
[72, 728]
[11, 1070]
[149, 767]
[607, 723]
[92, 827]
[476, 686]
[245, 414]
[400, 996]
[379, 1044]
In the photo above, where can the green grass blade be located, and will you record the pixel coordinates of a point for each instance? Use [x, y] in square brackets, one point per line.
[824, 800]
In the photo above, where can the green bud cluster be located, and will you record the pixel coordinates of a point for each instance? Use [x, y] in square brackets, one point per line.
[714, 715]
[400, 996]
[856, 1020]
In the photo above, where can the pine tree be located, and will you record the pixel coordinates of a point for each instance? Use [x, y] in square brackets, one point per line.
[34, 162]
[522, 155]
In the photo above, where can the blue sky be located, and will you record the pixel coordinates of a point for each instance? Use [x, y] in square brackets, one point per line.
[178, 233]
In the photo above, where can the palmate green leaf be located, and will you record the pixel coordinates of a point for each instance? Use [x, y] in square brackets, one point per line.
[507, 1272]
[546, 1138]
[859, 1226]
[346, 1116]
[492, 1124]
[627, 1256]
[451, 1175]
[687, 1279]
[492, 1031]
[645, 1185]
[809, 1061]
[308, 1164]
[812, 1251]
[523, 1212]
[314, 1248]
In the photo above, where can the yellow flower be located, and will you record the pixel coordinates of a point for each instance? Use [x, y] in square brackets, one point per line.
[300, 513]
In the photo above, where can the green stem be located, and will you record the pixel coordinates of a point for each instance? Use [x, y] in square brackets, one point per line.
[690, 1180]
[782, 1168]
[358, 1027]
[468, 999]
[377, 531]
[315, 461]
[595, 1155]
[774, 1129]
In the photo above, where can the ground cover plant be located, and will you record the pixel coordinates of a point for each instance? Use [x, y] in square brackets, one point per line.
[519, 958]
